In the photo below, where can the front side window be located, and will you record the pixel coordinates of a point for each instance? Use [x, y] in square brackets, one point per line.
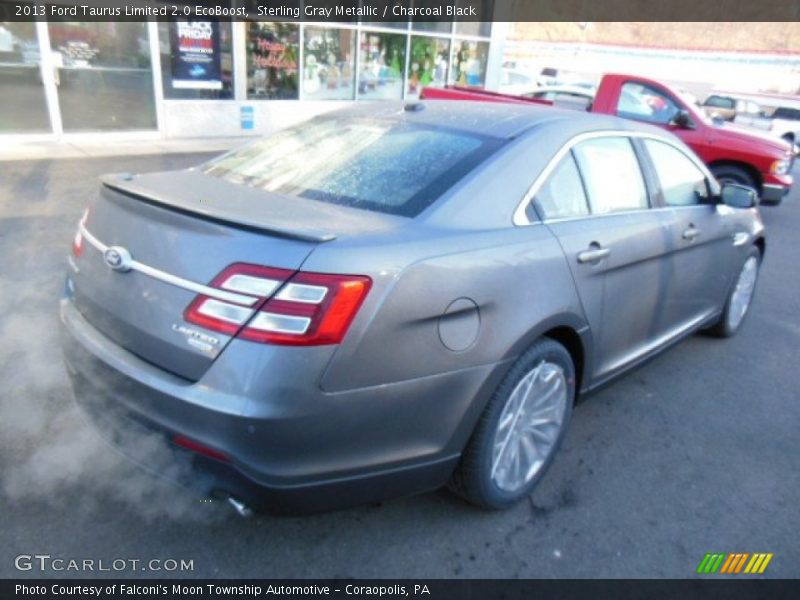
[395, 168]
[645, 103]
[562, 195]
[682, 183]
[612, 175]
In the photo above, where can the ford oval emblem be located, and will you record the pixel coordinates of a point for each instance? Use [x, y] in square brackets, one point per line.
[118, 258]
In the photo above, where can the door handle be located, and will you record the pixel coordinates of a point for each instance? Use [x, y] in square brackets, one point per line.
[593, 254]
[690, 233]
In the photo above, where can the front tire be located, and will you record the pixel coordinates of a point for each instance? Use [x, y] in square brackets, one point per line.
[520, 430]
[740, 297]
[733, 174]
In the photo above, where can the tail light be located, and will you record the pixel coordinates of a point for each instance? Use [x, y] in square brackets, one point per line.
[284, 307]
[251, 285]
[77, 241]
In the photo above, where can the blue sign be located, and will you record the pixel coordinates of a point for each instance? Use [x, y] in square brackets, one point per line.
[248, 117]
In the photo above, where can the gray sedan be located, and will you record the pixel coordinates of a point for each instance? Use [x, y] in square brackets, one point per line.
[392, 298]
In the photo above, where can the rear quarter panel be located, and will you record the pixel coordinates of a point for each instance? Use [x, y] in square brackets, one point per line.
[500, 285]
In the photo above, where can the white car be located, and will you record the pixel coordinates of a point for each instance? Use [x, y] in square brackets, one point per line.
[785, 122]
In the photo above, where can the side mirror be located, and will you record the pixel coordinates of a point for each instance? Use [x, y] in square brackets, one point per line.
[738, 196]
[683, 120]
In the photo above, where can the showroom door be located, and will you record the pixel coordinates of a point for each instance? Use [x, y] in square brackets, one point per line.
[103, 76]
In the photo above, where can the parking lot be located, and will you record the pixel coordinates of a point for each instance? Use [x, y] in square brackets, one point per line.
[695, 452]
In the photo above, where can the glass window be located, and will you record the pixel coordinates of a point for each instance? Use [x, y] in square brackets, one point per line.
[562, 195]
[104, 76]
[747, 107]
[642, 102]
[329, 72]
[272, 52]
[682, 183]
[213, 38]
[469, 63]
[382, 60]
[428, 64]
[792, 114]
[612, 175]
[390, 167]
[720, 102]
[23, 107]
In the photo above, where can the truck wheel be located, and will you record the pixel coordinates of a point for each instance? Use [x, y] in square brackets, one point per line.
[733, 174]
[520, 429]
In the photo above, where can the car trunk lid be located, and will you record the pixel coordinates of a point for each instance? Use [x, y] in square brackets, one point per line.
[179, 231]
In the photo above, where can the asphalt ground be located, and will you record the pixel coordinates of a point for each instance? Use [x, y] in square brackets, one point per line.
[695, 452]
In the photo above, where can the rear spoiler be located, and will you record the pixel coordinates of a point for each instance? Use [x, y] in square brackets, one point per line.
[456, 92]
[126, 183]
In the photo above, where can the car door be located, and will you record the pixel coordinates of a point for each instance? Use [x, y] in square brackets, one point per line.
[702, 233]
[596, 203]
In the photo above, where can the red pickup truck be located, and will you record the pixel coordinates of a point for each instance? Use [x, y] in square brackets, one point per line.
[733, 154]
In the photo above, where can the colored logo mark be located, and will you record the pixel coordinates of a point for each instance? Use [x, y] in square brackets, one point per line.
[733, 563]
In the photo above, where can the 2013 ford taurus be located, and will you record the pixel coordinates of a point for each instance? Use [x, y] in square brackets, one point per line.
[390, 298]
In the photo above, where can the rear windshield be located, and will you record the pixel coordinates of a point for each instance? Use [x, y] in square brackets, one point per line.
[389, 167]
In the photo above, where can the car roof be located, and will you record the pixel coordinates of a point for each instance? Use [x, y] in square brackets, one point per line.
[502, 120]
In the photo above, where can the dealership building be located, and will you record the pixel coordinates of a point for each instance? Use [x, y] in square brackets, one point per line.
[140, 80]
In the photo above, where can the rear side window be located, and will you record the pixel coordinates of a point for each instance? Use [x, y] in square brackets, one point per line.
[384, 166]
[562, 195]
[612, 175]
[682, 183]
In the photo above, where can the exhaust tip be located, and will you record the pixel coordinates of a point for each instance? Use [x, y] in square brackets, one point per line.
[240, 507]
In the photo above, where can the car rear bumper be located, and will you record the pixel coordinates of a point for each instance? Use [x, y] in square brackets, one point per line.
[269, 460]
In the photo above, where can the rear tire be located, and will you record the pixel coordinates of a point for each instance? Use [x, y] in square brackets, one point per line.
[737, 306]
[520, 430]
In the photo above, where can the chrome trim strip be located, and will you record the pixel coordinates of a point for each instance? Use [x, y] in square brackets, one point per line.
[165, 277]
[653, 345]
[520, 219]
